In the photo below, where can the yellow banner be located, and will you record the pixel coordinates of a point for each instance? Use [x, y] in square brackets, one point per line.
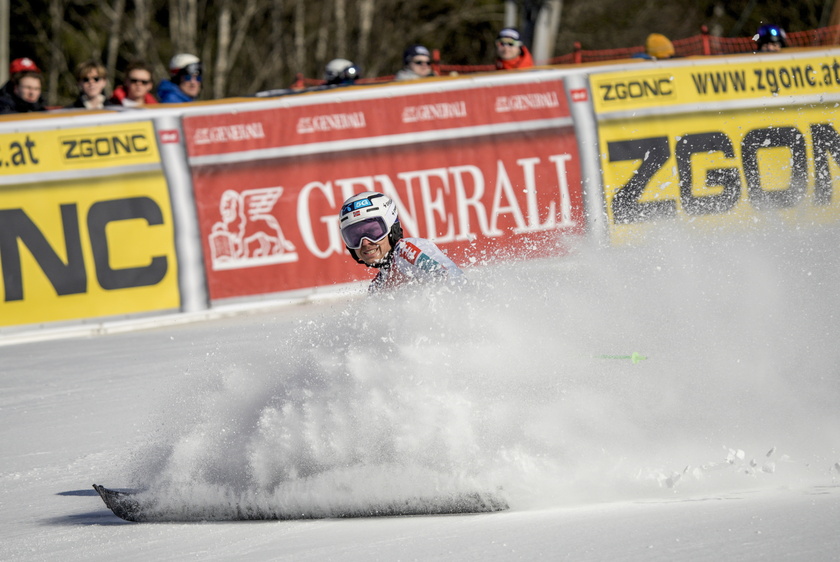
[86, 248]
[740, 167]
[32, 152]
[735, 78]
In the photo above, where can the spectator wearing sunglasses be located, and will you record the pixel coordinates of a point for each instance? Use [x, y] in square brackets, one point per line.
[136, 89]
[510, 52]
[92, 79]
[417, 63]
[22, 93]
[184, 84]
[371, 231]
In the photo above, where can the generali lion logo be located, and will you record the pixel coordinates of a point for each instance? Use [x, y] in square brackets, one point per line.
[248, 234]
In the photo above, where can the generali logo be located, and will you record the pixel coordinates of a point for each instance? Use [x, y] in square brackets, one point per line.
[229, 133]
[434, 112]
[524, 102]
[331, 122]
[248, 233]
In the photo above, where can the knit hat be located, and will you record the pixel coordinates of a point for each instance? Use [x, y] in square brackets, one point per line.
[509, 33]
[23, 65]
[415, 50]
[659, 46]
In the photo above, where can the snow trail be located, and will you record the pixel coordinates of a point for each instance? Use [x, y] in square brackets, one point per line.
[496, 387]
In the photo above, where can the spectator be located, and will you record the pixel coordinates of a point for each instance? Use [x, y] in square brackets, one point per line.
[657, 46]
[22, 93]
[510, 52]
[92, 79]
[341, 72]
[417, 63]
[770, 38]
[136, 89]
[185, 82]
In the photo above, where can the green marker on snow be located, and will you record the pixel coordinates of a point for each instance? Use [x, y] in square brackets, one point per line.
[635, 357]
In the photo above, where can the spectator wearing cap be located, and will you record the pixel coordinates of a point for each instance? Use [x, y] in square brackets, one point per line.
[510, 52]
[136, 89]
[657, 47]
[184, 84]
[92, 79]
[22, 93]
[770, 38]
[417, 63]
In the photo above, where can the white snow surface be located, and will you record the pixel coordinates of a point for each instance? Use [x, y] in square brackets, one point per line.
[724, 444]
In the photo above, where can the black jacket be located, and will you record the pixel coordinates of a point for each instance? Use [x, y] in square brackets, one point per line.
[12, 103]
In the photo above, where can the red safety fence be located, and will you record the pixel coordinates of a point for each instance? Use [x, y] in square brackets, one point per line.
[698, 45]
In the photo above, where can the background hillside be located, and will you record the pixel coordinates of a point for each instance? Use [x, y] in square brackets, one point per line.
[253, 45]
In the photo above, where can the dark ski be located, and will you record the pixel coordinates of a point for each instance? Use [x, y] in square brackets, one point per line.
[140, 506]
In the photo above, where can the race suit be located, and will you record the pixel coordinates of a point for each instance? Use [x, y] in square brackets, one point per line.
[414, 260]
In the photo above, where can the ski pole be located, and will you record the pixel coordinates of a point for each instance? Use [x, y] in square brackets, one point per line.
[635, 357]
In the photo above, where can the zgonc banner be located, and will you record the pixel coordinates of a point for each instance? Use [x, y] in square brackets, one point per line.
[484, 170]
[85, 225]
[736, 142]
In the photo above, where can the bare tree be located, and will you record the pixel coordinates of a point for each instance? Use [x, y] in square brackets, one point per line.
[183, 25]
[341, 27]
[545, 30]
[142, 26]
[322, 44]
[223, 49]
[57, 61]
[227, 45]
[300, 35]
[366, 8]
[115, 18]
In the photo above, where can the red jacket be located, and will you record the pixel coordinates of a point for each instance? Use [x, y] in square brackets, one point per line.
[119, 96]
[522, 61]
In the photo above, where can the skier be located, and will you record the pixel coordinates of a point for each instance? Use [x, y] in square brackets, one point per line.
[373, 235]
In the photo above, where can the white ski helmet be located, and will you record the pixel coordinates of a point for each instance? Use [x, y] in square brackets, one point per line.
[341, 71]
[368, 215]
[181, 61]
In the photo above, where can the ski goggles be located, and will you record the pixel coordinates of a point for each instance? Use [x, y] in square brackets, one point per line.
[191, 72]
[374, 229]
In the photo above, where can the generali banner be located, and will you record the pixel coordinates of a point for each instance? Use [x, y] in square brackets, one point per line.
[489, 172]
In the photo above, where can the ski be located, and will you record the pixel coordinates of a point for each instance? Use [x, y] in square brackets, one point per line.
[139, 507]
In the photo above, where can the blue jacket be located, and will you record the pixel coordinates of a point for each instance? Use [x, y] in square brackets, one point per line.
[169, 92]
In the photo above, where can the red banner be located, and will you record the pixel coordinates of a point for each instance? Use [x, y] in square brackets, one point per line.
[484, 172]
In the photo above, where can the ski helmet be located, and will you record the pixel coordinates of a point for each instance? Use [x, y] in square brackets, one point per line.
[184, 64]
[368, 215]
[770, 33]
[341, 71]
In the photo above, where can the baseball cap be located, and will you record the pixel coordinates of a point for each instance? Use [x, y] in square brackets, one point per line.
[415, 50]
[509, 33]
[24, 64]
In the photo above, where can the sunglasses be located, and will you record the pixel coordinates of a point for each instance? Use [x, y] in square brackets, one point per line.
[91, 79]
[373, 229]
[139, 81]
[507, 42]
[422, 62]
[191, 77]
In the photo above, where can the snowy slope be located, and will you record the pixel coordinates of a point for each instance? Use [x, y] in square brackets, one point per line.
[723, 444]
